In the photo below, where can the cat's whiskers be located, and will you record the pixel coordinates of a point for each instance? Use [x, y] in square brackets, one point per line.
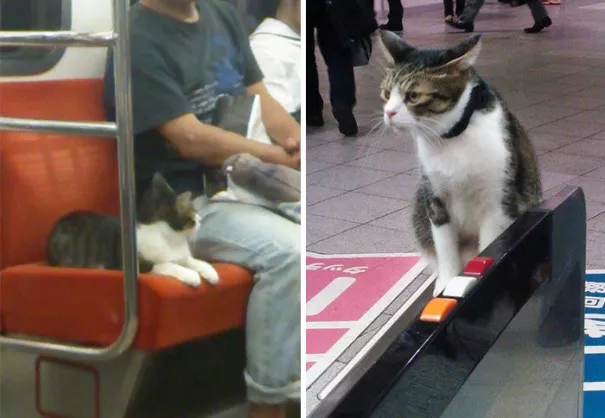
[439, 124]
[376, 133]
[433, 137]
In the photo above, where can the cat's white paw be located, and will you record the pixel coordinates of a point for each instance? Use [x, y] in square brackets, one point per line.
[205, 270]
[440, 285]
[188, 277]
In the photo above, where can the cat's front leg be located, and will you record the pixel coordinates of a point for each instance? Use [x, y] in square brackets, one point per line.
[204, 269]
[445, 238]
[494, 223]
[183, 274]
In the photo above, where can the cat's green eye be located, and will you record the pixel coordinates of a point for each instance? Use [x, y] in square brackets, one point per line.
[412, 96]
[385, 95]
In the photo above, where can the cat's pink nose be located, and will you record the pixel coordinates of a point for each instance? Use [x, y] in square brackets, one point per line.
[390, 113]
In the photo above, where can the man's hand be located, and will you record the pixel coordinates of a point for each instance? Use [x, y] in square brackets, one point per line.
[292, 145]
[280, 125]
[288, 158]
[213, 145]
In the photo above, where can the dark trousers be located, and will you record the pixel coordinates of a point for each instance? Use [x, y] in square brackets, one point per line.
[338, 59]
[448, 6]
[395, 11]
[538, 11]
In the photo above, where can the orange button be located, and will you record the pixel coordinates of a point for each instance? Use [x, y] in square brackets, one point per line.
[437, 309]
[478, 265]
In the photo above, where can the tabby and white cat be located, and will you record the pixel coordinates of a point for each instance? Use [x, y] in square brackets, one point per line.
[479, 170]
[165, 221]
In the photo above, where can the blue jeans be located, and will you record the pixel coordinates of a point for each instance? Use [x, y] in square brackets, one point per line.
[269, 245]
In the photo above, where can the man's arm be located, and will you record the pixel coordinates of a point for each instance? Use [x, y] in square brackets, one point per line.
[212, 145]
[280, 125]
[160, 104]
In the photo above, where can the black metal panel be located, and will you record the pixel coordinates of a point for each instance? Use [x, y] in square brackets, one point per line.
[528, 305]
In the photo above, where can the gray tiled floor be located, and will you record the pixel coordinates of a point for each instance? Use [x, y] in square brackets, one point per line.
[360, 190]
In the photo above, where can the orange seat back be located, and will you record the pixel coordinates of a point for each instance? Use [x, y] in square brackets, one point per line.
[42, 176]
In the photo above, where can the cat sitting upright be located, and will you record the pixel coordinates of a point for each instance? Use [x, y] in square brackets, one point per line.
[479, 170]
[165, 221]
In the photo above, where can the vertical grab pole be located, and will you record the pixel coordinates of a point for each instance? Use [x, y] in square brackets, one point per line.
[125, 146]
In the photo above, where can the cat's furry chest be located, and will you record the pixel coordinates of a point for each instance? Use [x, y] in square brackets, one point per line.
[158, 243]
[469, 172]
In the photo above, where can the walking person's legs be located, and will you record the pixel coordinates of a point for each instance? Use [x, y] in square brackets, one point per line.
[460, 4]
[540, 15]
[466, 21]
[268, 245]
[341, 75]
[395, 22]
[314, 101]
[448, 10]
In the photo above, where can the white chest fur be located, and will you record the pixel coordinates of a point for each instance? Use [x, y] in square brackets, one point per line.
[468, 172]
[158, 243]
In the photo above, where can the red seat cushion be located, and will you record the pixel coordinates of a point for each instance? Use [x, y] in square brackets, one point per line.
[43, 177]
[86, 306]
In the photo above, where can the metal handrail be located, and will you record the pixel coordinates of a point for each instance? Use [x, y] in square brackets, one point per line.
[127, 206]
[103, 129]
[52, 39]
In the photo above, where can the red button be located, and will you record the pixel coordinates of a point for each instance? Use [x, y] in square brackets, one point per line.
[478, 265]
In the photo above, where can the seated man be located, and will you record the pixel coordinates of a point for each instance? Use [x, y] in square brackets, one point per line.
[186, 54]
[276, 47]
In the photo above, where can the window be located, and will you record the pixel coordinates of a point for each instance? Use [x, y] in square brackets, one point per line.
[27, 15]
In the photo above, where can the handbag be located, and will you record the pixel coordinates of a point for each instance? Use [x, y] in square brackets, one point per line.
[362, 52]
[353, 24]
[353, 20]
[237, 114]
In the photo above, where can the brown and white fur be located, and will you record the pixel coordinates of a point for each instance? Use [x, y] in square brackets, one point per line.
[479, 170]
[165, 223]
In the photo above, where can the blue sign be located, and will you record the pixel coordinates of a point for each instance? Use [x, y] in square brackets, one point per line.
[594, 360]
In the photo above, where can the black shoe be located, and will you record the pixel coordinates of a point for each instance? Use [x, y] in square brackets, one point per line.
[458, 24]
[347, 125]
[315, 119]
[538, 26]
[393, 27]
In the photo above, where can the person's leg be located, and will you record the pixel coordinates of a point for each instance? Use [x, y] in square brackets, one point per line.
[268, 245]
[466, 20]
[314, 101]
[460, 7]
[341, 75]
[448, 8]
[395, 17]
[540, 15]
[395, 11]
[471, 10]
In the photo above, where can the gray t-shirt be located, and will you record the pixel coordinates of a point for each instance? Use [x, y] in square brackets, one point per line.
[180, 68]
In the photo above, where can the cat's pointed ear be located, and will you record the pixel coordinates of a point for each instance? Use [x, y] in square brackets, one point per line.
[395, 49]
[464, 55]
[184, 198]
[159, 185]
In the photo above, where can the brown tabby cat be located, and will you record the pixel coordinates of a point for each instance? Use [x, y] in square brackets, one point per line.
[164, 223]
[479, 168]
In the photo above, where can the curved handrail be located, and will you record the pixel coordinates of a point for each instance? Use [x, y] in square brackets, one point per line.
[127, 206]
